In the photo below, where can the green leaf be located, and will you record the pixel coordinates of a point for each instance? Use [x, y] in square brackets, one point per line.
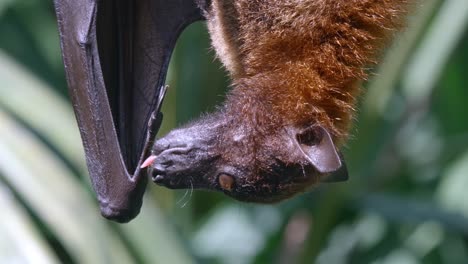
[401, 210]
[21, 242]
[436, 48]
[37, 105]
[49, 189]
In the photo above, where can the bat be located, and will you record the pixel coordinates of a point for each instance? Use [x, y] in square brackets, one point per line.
[281, 127]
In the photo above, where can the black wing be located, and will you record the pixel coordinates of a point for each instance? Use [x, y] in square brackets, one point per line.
[116, 54]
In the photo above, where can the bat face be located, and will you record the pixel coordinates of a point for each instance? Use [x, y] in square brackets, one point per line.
[246, 165]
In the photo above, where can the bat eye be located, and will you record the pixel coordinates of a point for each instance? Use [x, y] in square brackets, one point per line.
[226, 182]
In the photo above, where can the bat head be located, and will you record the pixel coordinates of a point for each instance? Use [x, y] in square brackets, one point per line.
[243, 163]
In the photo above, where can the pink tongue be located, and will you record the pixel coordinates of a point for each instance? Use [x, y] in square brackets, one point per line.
[148, 161]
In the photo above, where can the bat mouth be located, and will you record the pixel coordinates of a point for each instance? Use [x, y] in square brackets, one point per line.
[175, 173]
[179, 182]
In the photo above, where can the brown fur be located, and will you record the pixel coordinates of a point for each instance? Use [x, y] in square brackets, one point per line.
[301, 58]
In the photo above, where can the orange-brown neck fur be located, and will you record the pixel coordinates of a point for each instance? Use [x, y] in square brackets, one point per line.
[303, 59]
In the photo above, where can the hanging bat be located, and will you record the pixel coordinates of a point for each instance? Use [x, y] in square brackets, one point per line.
[295, 66]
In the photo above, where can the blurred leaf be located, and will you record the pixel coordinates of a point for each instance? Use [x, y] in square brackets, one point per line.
[40, 107]
[154, 238]
[402, 210]
[4, 4]
[399, 256]
[21, 242]
[437, 46]
[382, 106]
[452, 191]
[29, 34]
[366, 232]
[425, 238]
[50, 191]
[381, 87]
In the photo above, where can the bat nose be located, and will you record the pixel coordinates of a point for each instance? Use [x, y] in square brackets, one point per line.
[157, 175]
[159, 179]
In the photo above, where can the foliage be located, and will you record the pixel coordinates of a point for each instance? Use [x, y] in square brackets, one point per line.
[408, 161]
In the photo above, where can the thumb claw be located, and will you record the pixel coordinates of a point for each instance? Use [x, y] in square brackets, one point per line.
[148, 161]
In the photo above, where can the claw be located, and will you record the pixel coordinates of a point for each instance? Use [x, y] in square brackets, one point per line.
[148, 161]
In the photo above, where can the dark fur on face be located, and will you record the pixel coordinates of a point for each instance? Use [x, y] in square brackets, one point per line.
[296, 66]
[217, 153]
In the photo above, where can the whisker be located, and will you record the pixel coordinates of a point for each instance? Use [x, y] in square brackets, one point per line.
[191, 192]
[183, 197]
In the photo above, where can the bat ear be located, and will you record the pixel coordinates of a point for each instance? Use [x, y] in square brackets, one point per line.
[341, 174]
[317, 147]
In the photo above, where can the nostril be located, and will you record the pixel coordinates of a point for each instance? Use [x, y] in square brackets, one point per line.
[157, 175]
[159, 179]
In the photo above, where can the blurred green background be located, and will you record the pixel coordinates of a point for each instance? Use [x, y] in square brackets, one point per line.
[406, 201]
